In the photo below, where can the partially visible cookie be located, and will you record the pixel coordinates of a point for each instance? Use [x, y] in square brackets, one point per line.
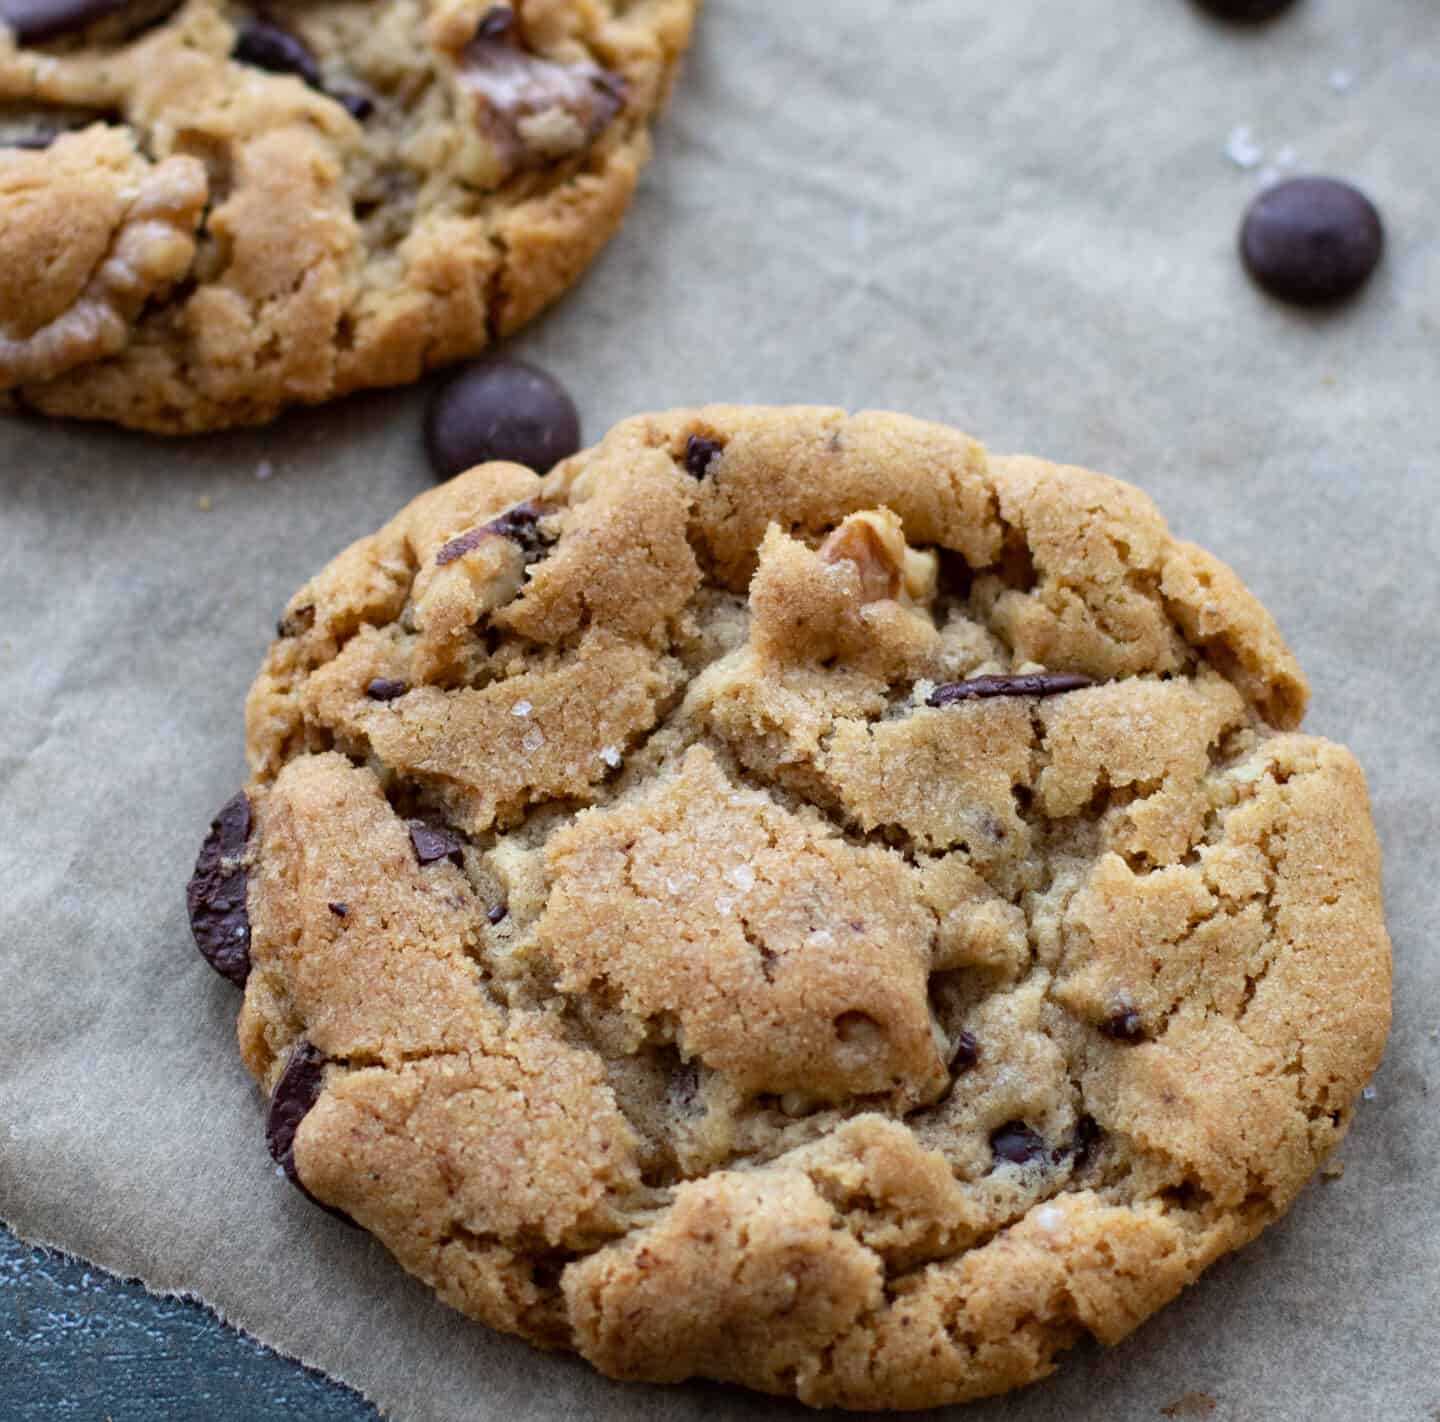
[791, 899]
[211, 211]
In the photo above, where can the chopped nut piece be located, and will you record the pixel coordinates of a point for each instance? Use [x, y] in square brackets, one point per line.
[875, 544]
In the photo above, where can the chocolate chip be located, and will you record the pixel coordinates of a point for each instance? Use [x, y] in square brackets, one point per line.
[1311, 241]
[43, 19]
[964, 1052]
[295, 1093]
[432, 844]
[700, 453]
[496, 23]
[382, 688]
[500, 410]
[519, 524]
[1124, 1024]
[292, 624]
[1031, 684]
[1246, 11]
[496, 913]
[358, 106]
[215, 895]
[265, 45]
[512, 86]
[1087, 1137]
[1016, 1144]
[339, 910]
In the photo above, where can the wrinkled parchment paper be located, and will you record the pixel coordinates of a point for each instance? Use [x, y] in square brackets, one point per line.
[1019, 217]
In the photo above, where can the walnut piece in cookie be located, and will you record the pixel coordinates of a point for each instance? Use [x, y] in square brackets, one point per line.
[90, 231]
[795, 899]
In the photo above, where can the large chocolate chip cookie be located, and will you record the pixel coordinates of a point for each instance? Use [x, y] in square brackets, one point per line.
[791, 899]
[212, 211]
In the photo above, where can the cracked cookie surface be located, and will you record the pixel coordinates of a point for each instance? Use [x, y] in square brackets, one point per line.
[212, 211]
[790, 898]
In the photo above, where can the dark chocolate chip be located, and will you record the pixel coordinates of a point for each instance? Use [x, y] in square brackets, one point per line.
[265, 45]
[496, 23]
[34, 20]
[295, 1093]
[1311, 241]
[700, 453]
[339, 910]
[500, 410]
[1016, 1144]
[1087, 1137]
[1247, 12]
[519, 524]
[37, 140]
[382, 688]
[215, 895]
[496, 912]
[358, 106]
[964, 1052]
[1031, 684]
[432, 844]
[294, 623]
[1124, 1024]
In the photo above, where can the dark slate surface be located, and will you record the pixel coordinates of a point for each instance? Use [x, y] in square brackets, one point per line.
[76, 1342]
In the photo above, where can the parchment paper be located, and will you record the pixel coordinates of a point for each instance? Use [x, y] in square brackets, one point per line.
[1015, 215]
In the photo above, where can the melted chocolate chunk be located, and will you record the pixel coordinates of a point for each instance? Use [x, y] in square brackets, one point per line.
[1246, 11]
[1124, 1024]
[1016, 1144]
[358, 106]
[265, 45]
[339, 910]
[496, 913]
[295, 1093]
[520, 525]
[700, 453]
[964, 1052]
[1032, 684]
[382, 688]
[1087, 1137]
[1312, 241]
[44, 19]
[500, 410]
[535, 110]
[215, 895]
[431, 844]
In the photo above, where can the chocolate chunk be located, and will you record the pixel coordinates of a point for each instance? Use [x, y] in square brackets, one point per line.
[295, 1093]
[1016, 1144]
[1087, 1137]
[381, 688]
[496, 913]
[432, 844]
[1311, 241]
[1031, 684]
[519, 524]
[1246, 11]
[43, 19]
[339, 910]
[500, 410]
[700, 453]
[1124, 1024]
[534, 110]
[265, 45]
[215, 895]
[358, 106]
[964, 1052]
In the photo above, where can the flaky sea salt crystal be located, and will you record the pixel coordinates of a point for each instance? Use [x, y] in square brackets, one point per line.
[724, 905]
[742, 876]
[1048, 1217]
[821, 938]
[1241, 148]
[533, 739]
[1341, 80]
[521, 709]
[611, 756]
[1368, 1094]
